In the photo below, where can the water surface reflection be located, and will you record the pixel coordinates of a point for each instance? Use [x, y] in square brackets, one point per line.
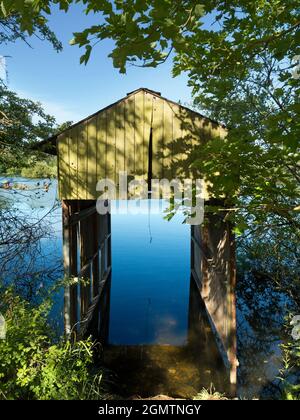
[159, 335]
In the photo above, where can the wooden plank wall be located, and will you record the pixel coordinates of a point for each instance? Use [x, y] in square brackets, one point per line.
[213, 268]
[87, 261]
[117, 139]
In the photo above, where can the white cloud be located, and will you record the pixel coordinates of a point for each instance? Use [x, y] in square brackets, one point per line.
[2, 67]
[60, 111]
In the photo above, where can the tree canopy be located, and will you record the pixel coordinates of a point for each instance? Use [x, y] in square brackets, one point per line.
[12, 29]
[241, 60]
[23, 122]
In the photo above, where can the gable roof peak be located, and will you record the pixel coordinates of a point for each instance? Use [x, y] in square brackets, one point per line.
[145, 90]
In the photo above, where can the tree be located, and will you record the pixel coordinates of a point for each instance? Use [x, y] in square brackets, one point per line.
[243, 72]
[22, 123]
[242, 61]
[11, 30]
[141, 29]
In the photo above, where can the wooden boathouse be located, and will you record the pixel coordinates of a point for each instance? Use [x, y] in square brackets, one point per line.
[149, 137]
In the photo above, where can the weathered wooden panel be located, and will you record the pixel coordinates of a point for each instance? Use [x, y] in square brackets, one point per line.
[184, 147]
[197, 251]
[73, 155]
[118, 138]
[86, 236]
[96, 244]
[111, 144]
[129, 136]
[215, 261]
[64, 165]
[71, 315]
[168, 140]
[148, 121]
[202, 343]
[82, 170]
[138, 133]
[91, 158]
[177, 145]
[158, 138]
[101, 146]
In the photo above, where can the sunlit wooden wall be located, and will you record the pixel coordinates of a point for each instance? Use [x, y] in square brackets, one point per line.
[119, 138]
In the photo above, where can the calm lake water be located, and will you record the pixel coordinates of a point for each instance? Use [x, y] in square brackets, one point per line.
[150, 280]
[159, 340]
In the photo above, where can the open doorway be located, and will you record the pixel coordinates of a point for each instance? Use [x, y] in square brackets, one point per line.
[158, 332]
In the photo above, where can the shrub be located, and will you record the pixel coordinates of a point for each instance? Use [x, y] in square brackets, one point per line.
[33, 366]
[290, 373]
[41, 169]
[32, 166]
[209, 394]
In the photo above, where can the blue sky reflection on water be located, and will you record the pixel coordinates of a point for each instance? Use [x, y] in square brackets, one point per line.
[150, 286]
[150, 275]
[150, 279]
[42, 264]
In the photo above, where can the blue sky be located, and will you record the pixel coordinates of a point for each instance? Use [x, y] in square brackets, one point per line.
[71, 91]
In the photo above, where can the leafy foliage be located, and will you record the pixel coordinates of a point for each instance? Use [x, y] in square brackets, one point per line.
[12, 29]
[17, 116]
[209, 394]
[42, 168]
[33, 166]
[241, 65]
[240, 61]
[268, 289]
[290, 373]
[272, 254]
[22, 123]
[142, 30]
[33, 366]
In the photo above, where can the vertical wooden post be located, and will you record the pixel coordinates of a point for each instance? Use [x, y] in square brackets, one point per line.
[192, 248]
[109, 239]
[70, 268]
[104, 312]
[205, 289]
[232, 308]
[96, 240]
[86, 244]
[66, 257]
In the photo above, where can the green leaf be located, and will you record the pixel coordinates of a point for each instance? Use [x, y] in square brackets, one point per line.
[86, 56]
[199, 10]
